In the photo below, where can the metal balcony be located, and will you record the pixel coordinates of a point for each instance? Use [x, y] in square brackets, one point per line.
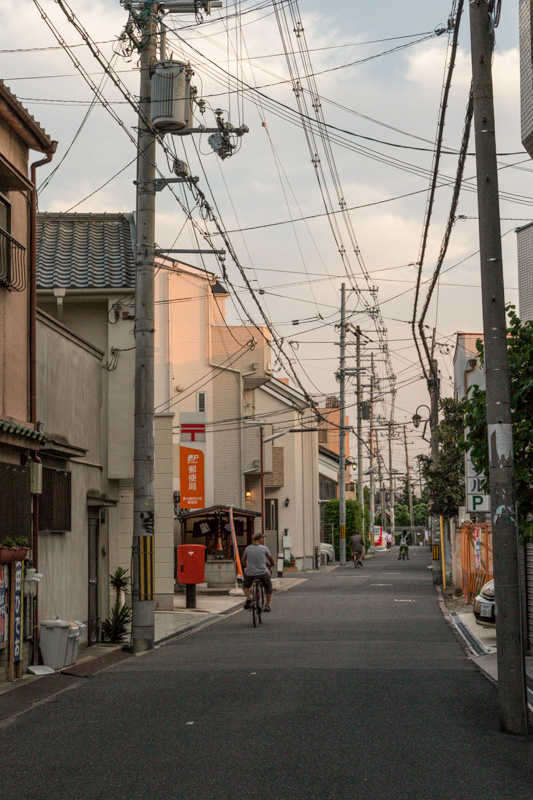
[12, 263]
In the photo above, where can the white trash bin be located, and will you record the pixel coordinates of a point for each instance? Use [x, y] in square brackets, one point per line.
[53, 640]
[73, 642]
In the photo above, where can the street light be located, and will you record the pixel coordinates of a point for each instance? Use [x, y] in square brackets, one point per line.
[417, 419]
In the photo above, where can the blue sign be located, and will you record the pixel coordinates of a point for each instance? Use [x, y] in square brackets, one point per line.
[17, 614]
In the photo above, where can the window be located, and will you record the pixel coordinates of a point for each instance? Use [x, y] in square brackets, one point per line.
[15, 500]
[55, 508]
[5, 215]
[201, 402]
[12, 253]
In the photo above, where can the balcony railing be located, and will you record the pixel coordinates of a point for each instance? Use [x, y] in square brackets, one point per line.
[12, 263]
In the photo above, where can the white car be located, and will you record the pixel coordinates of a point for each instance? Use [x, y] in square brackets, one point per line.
[329, 550]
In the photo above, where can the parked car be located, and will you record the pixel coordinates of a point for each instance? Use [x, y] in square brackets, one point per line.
[485, 606]
[329, 550]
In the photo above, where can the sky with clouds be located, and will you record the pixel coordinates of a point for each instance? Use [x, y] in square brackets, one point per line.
[364, 91]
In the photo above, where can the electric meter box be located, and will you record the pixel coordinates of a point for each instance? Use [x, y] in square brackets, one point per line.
[171, 106]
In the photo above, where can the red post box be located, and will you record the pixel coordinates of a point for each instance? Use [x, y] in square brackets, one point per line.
[191, 563]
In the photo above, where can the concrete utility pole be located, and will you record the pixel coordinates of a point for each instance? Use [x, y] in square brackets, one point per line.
[342, 414]
[511, 668]
[360, 488]
[143, 545]
[434, 395]
[409, 491]
[383, 503]
[391, 484]
[143, 604]
[372, 484]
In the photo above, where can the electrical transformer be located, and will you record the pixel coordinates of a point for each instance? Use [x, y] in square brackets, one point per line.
[172, 96]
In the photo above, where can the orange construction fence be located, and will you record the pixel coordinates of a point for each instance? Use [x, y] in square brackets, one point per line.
[477, 566]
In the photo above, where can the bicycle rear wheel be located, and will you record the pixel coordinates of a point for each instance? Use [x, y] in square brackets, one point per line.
[261, 602]
[256, 613]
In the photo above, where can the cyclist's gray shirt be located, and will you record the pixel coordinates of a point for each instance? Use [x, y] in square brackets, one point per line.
[256, 559]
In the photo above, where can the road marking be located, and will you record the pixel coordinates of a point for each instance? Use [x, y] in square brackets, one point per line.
[403, 601]
[189, 723]
[253, 673]
[381, 584]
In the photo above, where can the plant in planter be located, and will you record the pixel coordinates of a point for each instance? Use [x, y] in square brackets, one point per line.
[13, 549]
[290, 564]
[115, 628]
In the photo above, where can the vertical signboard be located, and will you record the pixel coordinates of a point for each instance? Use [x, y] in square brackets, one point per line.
[192, 460]
[4, 583]
[476, 500]
[17, 613]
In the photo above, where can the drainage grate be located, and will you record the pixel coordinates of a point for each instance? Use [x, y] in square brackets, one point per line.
[465, 633]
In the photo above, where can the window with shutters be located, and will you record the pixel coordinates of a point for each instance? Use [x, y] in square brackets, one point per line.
[56, 501]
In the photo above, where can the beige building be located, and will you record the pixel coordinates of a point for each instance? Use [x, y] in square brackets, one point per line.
[20, 435]
[86, 279]
[206, 366]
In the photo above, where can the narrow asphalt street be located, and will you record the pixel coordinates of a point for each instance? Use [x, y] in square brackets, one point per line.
[354, 687]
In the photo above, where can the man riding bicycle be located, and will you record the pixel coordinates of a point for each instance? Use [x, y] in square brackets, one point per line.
[256, 559]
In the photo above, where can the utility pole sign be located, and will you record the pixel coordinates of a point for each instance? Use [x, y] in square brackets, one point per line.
[476, 500]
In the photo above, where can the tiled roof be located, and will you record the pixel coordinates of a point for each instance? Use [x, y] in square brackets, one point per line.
[8, 100]
[85, 251]
[22, 430]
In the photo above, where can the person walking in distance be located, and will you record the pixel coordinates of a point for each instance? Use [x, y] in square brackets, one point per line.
[358, 548]
[256, 560]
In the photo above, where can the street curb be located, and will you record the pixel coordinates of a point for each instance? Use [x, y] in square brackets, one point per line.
[467, 649]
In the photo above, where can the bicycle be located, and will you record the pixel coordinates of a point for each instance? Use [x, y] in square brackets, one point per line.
[257, 596]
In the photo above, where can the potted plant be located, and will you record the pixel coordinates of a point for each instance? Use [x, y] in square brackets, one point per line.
[115, 628]
[289, 565]
[13, 549]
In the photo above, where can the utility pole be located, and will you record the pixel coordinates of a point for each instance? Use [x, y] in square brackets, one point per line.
[342, 414]
[434, 394]
[143, 544]
[383, 503]
[511, 667]
[143, 561]
[409, 491]
[372, 487]
[391, 484]
[360, 488]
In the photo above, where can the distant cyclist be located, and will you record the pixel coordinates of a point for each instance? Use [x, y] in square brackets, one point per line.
[404, 547]
[358, 548]
[256, 559]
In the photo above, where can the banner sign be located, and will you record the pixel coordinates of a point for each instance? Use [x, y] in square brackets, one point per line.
[17, 614]
[192, 460]
[238, 564]
[477, 547]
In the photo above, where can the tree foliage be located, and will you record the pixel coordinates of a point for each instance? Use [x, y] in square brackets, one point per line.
[520, 350]
[353, 519]
[446, 481]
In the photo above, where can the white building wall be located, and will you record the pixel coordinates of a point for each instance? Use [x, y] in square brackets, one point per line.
[300, 455]
[524, 241]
